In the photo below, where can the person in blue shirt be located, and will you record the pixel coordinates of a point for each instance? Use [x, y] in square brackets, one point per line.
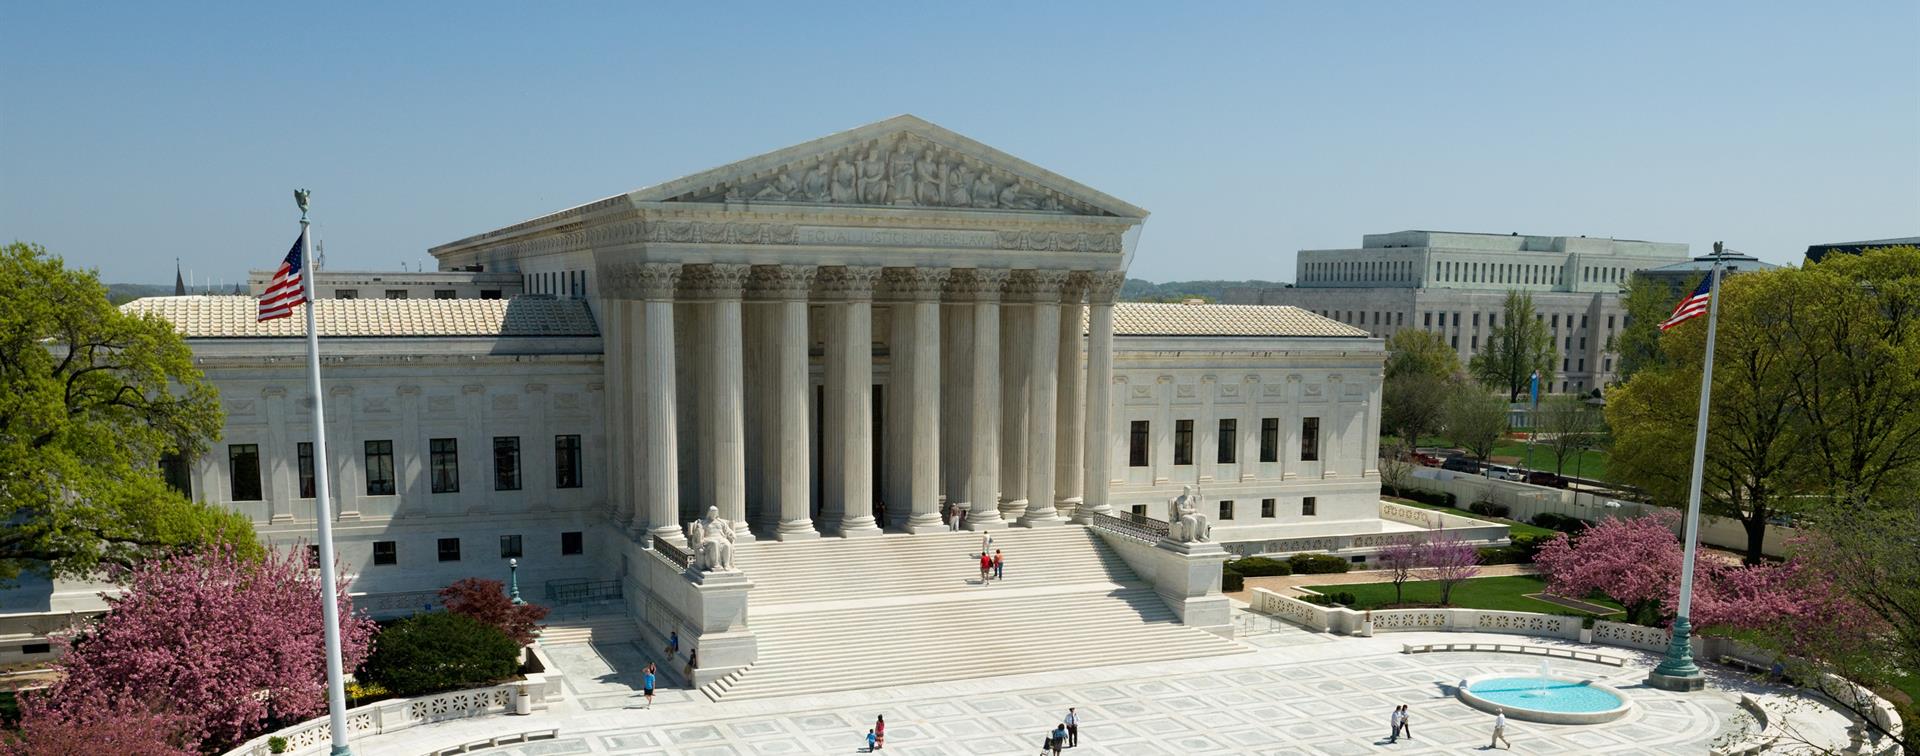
[870, 741]
[646, 685]
[1059, 738]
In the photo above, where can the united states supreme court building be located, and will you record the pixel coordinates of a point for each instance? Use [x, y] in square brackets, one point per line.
[846, 344]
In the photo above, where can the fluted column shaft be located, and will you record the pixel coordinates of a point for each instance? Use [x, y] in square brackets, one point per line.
[791, 481]
[1043, 376]
[1099, 435]
[661, 428]
[850, 381]
[1016, 371]
[956, 400]
[984, 509]
[921, 289]
[1071, 410]
[725, 433]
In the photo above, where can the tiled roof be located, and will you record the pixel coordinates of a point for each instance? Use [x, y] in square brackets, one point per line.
[217, 317]
[1151, 319]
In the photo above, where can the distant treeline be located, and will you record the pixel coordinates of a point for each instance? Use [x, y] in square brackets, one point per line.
[1140, 290]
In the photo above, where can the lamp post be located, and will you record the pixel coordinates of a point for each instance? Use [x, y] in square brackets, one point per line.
[513, 582]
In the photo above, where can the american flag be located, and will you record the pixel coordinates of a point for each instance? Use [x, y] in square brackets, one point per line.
[285, 290]
[1695, 305]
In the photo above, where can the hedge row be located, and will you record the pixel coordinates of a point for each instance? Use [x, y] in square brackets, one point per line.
[1489, 509]
[1562, 523]
[1441, 499]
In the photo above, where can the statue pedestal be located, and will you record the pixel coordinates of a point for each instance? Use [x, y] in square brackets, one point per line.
[707, 609]
[1186, 575]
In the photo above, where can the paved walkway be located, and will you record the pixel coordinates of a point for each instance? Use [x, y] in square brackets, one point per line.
[1285, 584]
[1299, 693]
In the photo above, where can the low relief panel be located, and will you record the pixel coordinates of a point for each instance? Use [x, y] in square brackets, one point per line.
[440, 404]
[375, 404]
[506, 403]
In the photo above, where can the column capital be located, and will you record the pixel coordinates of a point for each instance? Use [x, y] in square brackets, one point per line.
[1074, 291]
[979, 284]
[916, 284]
[1103, 286]
[847, 282]
[655, 281]
[784, 283]
[714, 282]
[1038, 286]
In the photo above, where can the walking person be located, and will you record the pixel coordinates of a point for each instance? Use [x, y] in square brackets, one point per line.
[871, 741]
[1059, 737]
[1500, 729]
[673, 645]
[1406, 722]
[1393, 725]
[986, 567]
[646, 685]
[999, 565]
[693, 663]
[1073, 729]
[880, 732]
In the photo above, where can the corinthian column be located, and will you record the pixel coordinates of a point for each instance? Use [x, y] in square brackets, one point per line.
[918, 291]
[1104, 287]
[850, 394]
[655, 285]
[725, 431]
[1016, 372]
[1069, 441]
[985, 285]
[792, 480]
[1043, 375]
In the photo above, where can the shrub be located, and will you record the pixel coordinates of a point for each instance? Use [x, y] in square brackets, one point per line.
[1489, 509]
[1528, 544]
[1560, 522]
[277, 744]
[486, 601]
[1316, 564]
[1503, 555]
[1438, 499]
[1261, 567]
[1230, 581]
[1344, 598]
[437, 651]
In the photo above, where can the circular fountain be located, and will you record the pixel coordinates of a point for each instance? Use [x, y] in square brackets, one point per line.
[1544, 698]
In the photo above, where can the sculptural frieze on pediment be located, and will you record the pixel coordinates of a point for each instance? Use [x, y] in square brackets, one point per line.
[897, 170]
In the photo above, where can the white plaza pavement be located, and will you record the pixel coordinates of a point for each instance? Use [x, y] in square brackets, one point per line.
[1296, 693]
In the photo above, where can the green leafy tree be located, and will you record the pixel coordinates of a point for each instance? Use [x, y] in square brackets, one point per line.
[1416, 352]
[437, 651]
[1516, 348]
[1414, 405]
[91, 399]
[1568, 425]
[1474, 420]
[1755, 464]
[1648, 303]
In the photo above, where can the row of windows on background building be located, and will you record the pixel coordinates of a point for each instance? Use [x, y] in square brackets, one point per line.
[243, 467]
[1309, 507]
[559, 283]
[404, 294]
[387, 553]
[1226, 450]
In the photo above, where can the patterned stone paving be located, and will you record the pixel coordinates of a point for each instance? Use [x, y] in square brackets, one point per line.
[1301, 694]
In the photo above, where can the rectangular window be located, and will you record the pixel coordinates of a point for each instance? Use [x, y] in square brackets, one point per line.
[1476, 342]
[1582, 363]
[1269, 439]
[1583, 343]
[1583, 322]
[506, 463]
[1476, 320]
[396, 293]
[1139, 510]
[1137, 444]
[346, 293]
[1426, 320]
[384, 552]
[1224, 453]
[243, 471]
[444, 464]
[442, 293]
[379, 468]
[510, 547]
[1183, 442]
[449, 549]
[304, 453]
[570, 543]
[1556, 321]
[489, 293]
[566, 461]
[1609, 322]
[1564, 363]
[1226, 509]
[179, 476]
[1308, 507]
[1453, 342]
[1309, 439]
[1606, 365]
[1266, 508]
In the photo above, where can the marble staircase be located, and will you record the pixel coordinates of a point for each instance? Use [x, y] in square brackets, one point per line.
[838, 614]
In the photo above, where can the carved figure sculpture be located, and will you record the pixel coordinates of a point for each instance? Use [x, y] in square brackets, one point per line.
[710, 539]
[927, 171]
[873, 177]
[959, 184]
[1185, 524]
[814, 185]
[778, 188]
[844, 175]
[985, 193]
[901, 166]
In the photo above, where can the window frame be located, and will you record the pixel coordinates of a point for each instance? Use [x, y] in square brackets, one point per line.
[369, 468]
[511, 472]
[1309, 506]
[1269, 439]
[1182, 443]
[573, 543]
[567, 468]
[1310, 439]
[443, 465]
[1267, 507]
[443, 546]
[512, 546]
[235, 454]
[1140, 443]
[1225, 450]
[391, 557]
[303, 469]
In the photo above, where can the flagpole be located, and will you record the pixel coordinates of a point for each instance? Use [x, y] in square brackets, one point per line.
[1677, 671]
[323, 509]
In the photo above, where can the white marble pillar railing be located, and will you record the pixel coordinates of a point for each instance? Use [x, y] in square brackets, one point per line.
[1104, 287]
[1070, 413]
[1043, 376]
[724, 430]
[656, 284]
[918, 291]
[790, 482]
[985, 285]
[850, 394]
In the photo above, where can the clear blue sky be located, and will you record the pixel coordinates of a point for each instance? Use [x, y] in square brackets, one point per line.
[133, 134]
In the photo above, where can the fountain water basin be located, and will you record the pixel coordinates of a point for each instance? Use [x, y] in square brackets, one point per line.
[1545, 698]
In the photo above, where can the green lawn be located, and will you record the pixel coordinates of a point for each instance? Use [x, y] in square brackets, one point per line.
[1495, 593]
[1514, 527]
[1590, 464]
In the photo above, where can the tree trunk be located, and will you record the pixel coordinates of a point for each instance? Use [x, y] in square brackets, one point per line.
[1756, 525]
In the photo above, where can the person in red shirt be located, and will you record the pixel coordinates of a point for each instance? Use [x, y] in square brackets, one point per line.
[879, 732]
[986, 567]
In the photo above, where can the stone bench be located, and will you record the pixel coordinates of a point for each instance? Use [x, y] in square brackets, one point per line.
[494, 742]
[1517, 648]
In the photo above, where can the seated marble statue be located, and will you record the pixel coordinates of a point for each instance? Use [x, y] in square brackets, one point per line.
[710, 540]
[1185, 524]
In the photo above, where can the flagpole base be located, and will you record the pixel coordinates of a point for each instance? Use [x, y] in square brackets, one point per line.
[341, 750]
[1677, 672]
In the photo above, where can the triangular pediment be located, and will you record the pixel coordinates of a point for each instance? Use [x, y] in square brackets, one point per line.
[903, 161]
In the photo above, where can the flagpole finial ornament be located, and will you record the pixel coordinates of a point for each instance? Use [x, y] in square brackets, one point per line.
[300, 198]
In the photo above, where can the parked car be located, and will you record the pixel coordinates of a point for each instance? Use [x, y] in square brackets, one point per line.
[1461, 464]
[1504, 472]
[1429, 460]
[1544, 478]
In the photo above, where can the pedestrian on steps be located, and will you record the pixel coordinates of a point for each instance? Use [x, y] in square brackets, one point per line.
[693, 663]
[986, 567]
[999, 565]
[673, 645]
[880, 732]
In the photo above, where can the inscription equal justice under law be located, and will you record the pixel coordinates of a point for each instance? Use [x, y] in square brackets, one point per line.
[894, 237]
